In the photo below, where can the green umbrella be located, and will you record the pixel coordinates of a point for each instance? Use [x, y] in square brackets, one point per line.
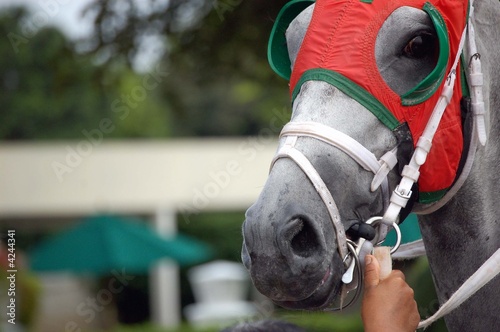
[102, 244]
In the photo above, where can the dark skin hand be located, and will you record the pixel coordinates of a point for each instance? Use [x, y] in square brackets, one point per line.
[388, 305]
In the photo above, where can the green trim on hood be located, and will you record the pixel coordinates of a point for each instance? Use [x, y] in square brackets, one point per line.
[351, 89]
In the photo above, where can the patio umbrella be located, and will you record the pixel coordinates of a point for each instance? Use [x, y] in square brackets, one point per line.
[105, 243]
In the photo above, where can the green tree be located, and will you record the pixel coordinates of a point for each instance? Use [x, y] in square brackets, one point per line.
[51, 91]
[220, 81]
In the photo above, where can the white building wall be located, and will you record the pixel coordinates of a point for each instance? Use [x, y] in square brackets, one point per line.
[78, 178]
[40, 182]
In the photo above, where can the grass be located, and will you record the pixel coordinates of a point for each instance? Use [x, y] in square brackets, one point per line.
[311, 321]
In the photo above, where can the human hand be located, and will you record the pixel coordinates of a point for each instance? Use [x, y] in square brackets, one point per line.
[388, 305]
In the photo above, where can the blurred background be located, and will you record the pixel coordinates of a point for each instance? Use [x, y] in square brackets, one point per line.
[134, 136]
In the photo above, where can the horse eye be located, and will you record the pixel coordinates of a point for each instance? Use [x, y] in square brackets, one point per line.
[421, 46]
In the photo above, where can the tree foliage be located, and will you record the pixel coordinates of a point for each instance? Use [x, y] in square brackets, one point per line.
[51, 91]
[42, 83]
[220, 82]
[214, 78]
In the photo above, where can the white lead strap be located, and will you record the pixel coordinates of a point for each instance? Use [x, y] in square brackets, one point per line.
[476, 84]
[491, 268]
[411, 172]
[478, 136]
[481, 277]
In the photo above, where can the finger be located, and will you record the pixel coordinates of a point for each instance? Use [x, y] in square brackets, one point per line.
[383, 255]
[372, 271]
[397, 274]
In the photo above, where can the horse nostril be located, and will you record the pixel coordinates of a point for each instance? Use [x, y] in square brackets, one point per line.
[304, 240]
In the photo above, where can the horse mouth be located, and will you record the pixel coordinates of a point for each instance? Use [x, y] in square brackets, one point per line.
[322, 298]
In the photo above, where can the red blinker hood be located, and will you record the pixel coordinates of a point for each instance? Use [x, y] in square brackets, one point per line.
[339, 47]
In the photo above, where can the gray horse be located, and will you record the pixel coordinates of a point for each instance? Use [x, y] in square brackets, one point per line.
[290, 247]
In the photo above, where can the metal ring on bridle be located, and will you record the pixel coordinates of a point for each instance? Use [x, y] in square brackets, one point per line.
[375, 221]
[353, 252]
[351, 246]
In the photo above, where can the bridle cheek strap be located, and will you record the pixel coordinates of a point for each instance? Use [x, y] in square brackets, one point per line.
[288, 150]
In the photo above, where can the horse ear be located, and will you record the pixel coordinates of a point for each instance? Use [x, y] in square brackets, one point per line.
[277, 52]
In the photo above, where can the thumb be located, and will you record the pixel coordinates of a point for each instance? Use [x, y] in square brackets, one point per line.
[372, 271]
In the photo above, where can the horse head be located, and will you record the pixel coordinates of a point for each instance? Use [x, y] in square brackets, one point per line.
[364, 79]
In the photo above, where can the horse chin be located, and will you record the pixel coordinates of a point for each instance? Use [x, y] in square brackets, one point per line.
[322, 298]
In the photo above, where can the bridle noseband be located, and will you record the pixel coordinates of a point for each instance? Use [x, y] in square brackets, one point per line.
[367, 160]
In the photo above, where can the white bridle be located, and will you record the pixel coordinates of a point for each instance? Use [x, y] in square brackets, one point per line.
[366, 159]
[410, 174]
